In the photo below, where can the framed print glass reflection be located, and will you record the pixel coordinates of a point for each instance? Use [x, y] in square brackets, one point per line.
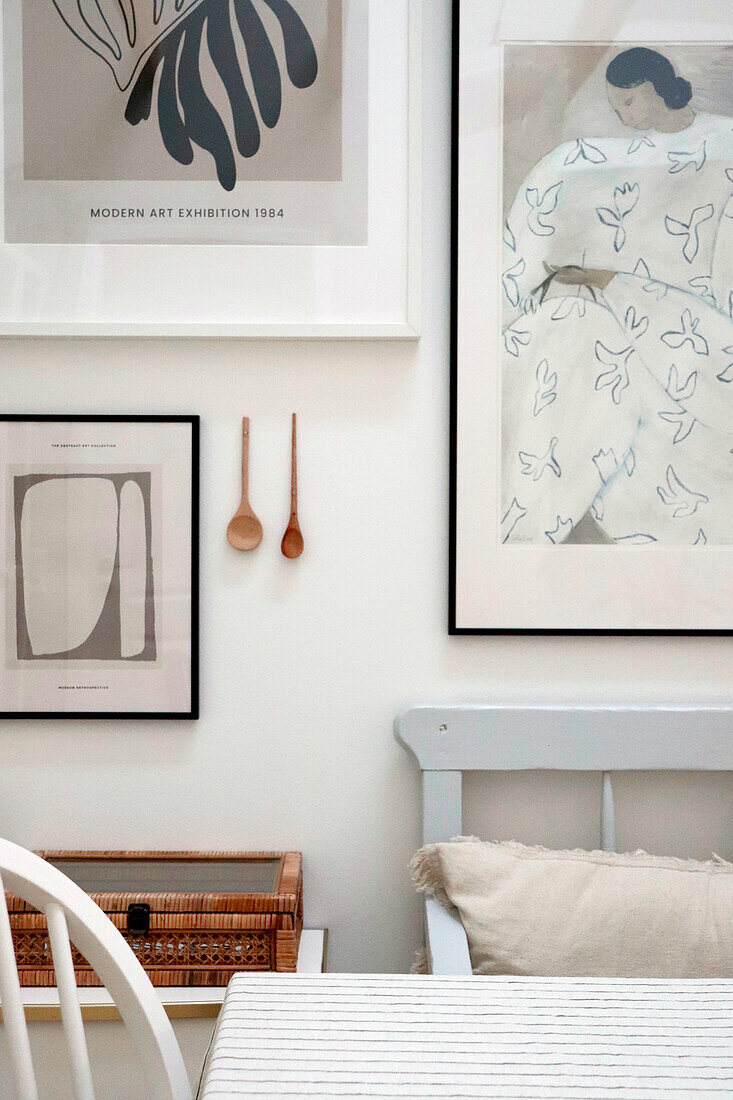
[592, 414]
[100, 591]
[238, 125]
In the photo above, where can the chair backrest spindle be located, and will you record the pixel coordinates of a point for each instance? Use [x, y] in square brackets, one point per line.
[21, 1063]
[73, 917]
[63, 964]
[608, 815]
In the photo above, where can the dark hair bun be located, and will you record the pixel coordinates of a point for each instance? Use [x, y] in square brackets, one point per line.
[636, 66]
[680, 93]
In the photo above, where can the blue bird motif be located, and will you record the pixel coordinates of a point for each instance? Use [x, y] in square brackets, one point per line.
[726, 375]
[606, 463]
[514, 513]
[681, 391]
[703, 285]
[638, 539]
[684, 420]
[510, 281]
[677, 496]
[540, 209]
[636, 326]
[625, 199]
[546, 387]
[514, 341]
[688, 334]
[702, 538]
[683, 160]
[572, 304]
[534, 466]
[651, 286]
[562, 530]
[690, 230]
[618, 377]
[584, 150]
[639, 143]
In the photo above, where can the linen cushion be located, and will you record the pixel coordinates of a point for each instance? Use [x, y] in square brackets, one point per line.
[532, 911]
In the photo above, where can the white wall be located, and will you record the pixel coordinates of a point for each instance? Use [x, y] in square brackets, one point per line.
[305, 663]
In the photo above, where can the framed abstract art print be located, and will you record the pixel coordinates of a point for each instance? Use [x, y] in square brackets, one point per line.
[592, 374]
[210, 167]
[100, 577]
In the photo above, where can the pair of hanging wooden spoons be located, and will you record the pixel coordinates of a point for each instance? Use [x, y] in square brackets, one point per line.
[245, 530]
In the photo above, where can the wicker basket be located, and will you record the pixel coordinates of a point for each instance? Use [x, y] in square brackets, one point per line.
[182, 937]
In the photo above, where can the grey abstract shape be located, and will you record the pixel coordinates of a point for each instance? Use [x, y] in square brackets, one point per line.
[104, 643]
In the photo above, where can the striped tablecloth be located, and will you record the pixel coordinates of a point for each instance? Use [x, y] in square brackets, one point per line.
[385, 1036]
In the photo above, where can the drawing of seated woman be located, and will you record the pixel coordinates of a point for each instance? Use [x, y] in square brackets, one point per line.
[617, 382]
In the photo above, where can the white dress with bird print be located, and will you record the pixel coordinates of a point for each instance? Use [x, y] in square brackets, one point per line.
[618, 404]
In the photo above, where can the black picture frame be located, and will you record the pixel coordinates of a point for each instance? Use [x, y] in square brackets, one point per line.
[192, 712]
[486, 631]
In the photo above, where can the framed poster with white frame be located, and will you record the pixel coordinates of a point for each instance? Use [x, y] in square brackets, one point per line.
[99, 589]
[592, 359]
[211, 168]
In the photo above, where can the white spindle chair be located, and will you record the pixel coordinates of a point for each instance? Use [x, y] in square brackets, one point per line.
[71, 914]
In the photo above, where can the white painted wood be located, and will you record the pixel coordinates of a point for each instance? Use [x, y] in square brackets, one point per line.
[311, 951]
[445, 940]
[486, 738]
[608, 814]
[81, 1073]
[426, 1036]
[91, 931]
[337, 290]
[442, 794]
[448, 740]
[21, 1063]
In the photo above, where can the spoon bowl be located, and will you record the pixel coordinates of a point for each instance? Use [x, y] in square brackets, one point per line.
[244, 531]
[292, 543]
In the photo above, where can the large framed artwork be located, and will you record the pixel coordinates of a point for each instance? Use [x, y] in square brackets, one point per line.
[592, 367]
[210, 167]
[100, 580]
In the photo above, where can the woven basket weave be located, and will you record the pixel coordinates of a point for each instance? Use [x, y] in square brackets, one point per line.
[192, 939]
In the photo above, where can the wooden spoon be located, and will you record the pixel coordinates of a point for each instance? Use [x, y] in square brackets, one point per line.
[292, 543]
[245, 530]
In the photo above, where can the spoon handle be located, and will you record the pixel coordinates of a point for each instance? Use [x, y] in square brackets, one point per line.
[294, 474]
[245, 458]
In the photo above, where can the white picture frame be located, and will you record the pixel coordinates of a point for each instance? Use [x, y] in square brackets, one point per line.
[370, 291]
[497, 587]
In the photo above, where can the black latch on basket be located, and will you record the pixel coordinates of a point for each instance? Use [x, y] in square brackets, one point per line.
[138, 919]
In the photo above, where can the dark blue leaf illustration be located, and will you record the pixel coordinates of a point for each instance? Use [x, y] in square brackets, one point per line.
[189, 36]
